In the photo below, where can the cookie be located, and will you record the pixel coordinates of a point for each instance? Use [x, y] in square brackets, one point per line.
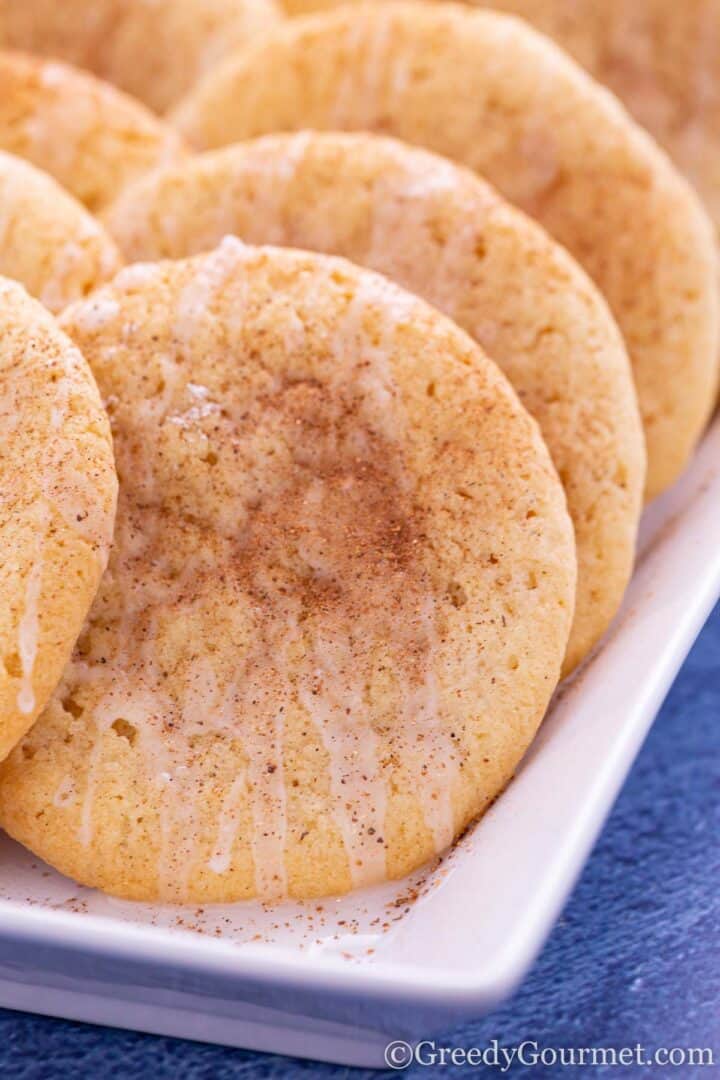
[337, 600]
[48, 241]
[488, 91]
[90, 136]
[442, 233]
[155, 51]
[57, 505]
[660, 57]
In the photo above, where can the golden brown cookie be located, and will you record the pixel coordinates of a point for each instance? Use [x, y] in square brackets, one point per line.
[57, 505]
[337, 601]
[91, 137]
[488, 91]
[439, 231]
[48, 241]
[661, 58]
[155, 51]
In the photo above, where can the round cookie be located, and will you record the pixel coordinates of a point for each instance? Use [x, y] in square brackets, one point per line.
[57, 505]
[337, 600]
[155, 51]
[87, 134]
[441, 232]
[48, 241]
[488, 91]
[660, 57]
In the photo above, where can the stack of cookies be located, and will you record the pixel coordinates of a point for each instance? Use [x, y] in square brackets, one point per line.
[336, 366]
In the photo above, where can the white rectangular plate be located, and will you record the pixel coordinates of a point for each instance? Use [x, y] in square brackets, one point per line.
[336, 980]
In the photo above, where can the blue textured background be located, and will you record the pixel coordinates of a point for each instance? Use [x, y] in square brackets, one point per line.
[635, 958]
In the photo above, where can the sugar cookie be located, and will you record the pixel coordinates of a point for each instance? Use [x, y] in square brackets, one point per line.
[337, 600]
[661, 58]
[488, 91]
[57, 505]
[155, 51]
[87, 134]
[48, 241]
[439, 231]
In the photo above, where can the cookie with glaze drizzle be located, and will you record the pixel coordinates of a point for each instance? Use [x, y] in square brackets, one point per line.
[488, 91]
[338, 598]
[57, 504]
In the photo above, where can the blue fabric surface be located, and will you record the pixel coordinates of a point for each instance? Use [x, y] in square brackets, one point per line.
[635, 958]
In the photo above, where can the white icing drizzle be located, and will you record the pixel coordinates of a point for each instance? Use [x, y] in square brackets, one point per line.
[137, 276]
[403, 203]
[52, 115]
[358, 785]
[212, 273]
[56, 292]
[53, 75]
[97, 313]
[64, 792]
[422, 720]
[228, 826]
[355, 102]
[65, 490]
[325, 670]
[272, 175]
[29, 628]
[392, 308]
[263, 743]
[66, 485]
[264, 702]
[85, 832]
[117, 703]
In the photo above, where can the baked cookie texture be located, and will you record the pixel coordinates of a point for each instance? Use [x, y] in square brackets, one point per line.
[660, 57]
[57, 504]
[87, 134]
[155, 51]
[337, 601]
[444, 234]
[48, 241]
[488, 91]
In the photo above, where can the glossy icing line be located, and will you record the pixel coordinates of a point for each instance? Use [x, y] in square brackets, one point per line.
[314, 609]
[29, 627]
[335, 704]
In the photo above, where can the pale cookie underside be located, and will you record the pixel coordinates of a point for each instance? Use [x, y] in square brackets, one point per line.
[489, 92]
[155, 51]
[337, 601]
[442, 233]
[90, 136]
[57, 505]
